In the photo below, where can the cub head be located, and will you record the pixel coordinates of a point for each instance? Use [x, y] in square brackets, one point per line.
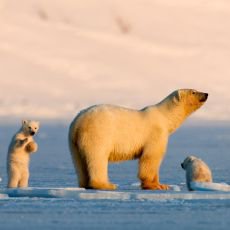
[30, 127]
[191, 99]
[188, 160]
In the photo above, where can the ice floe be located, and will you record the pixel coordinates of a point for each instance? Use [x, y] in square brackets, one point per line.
[82, 194]
[41, 192]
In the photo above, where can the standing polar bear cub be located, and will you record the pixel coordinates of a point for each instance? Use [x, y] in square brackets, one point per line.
[106, 133]
[196, 171]
[20, 148]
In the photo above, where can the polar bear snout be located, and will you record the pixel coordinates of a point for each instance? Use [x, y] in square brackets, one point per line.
[203, 97]
[32, 133]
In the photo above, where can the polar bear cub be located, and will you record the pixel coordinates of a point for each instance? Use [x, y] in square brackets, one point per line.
[196, 170]
[20, 148]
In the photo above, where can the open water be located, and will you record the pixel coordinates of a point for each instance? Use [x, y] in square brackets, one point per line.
[128, 207]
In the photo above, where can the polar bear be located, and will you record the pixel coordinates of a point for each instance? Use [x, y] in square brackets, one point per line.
[196, 170]
[20, 148]
[106, 133]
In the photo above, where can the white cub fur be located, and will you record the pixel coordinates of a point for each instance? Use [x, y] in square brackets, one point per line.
[20, 148]
[107, 133]
[196, 171]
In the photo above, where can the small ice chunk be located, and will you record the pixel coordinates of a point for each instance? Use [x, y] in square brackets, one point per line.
[3, 196]
[209, 186]
[174, 187]
[137, 184]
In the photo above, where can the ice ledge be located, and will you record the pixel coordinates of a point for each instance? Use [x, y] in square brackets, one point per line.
[82, 194]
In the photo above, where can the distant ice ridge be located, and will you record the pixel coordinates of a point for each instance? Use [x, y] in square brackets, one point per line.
[82, 194]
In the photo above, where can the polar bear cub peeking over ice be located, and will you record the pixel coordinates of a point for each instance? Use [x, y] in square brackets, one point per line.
[196, 171]
[20, 148]
[107, 133]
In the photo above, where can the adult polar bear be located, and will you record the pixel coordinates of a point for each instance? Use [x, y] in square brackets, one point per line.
[107, 133]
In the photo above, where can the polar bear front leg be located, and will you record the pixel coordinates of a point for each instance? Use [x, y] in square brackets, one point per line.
[149, 166]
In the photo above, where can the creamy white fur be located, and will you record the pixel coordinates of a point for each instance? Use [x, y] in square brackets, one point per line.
[20, 148]
[107, 133]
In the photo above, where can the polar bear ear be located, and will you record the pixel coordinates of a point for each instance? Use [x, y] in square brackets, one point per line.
[180, 94]
[191, 158]
[177, 96]
[24, 122]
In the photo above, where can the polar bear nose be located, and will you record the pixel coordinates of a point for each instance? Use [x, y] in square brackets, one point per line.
[32, 133]
[204, 97]
[182, 166]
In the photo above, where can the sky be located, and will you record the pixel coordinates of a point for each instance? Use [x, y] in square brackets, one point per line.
[58, 57]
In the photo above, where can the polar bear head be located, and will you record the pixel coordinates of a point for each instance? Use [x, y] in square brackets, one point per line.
[30, 127]
[190, 99]
[188, 160]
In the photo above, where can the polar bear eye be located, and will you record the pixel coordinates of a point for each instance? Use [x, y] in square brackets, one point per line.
[193, 92]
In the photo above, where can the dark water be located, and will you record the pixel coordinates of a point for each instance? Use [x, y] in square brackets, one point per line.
[51, 166]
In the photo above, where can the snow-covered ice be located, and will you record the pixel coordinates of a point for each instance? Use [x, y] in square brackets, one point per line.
[80, 194]
[42, 192]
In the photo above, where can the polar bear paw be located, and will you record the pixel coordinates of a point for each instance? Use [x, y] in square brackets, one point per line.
[102, 186]
[31, 147]
[154, 186]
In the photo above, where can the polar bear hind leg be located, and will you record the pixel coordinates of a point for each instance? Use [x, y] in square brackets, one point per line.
[80, 166]
[24, 180]
[14, 178]
[98, 174]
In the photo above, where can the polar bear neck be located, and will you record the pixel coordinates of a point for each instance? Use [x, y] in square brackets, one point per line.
[23, 133]
[174, 113]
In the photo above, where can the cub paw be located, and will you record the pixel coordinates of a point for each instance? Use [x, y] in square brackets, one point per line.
[31, 147]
